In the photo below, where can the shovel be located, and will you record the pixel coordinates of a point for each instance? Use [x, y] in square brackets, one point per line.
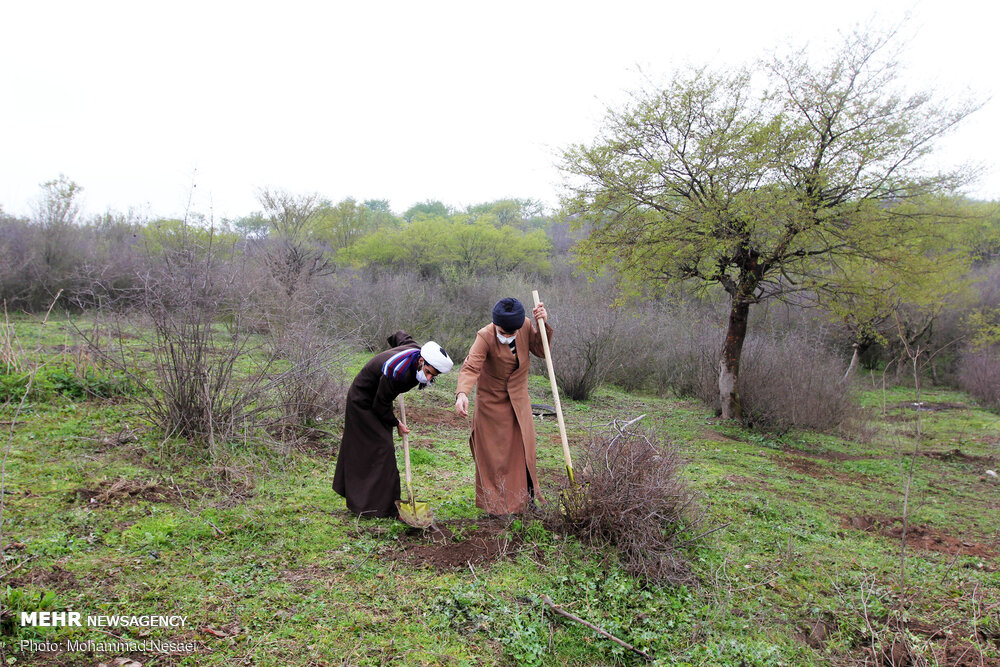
[411, 512]
[555, 395]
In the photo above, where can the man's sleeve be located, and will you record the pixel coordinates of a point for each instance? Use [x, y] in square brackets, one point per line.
[471, 367]
[384, 397]
[535, 341]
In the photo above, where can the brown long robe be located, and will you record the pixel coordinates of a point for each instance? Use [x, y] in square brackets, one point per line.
[503, 432]
[366, 473]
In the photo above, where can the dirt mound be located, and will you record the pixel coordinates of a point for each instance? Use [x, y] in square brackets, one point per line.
[960, 456]
[420, 418]
[125, 491]
[53, 578]
[458, 544]
[809, 466]
[920, 536]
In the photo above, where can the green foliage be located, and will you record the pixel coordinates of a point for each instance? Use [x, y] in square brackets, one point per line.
[64, 381]
[814, 190]
[166, 236]
[705, 181]
[520, 213]
[982, 230]
[521, 630]
[427, 209]
[432, 246]
[341, 225]
[984, 323]
[13, 601]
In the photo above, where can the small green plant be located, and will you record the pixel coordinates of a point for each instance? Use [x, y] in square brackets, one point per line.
[520, 629]
[14, 601]
[63, 381]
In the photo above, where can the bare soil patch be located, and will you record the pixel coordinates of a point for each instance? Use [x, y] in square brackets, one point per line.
[808, 466]
[929, 406]
[423, 418]
[959, 456]
[715, 436]
[456, 545]
[52, 578]
[122, 490]
[830, 455]
[948, 650]
[748, 482]
[920, 536]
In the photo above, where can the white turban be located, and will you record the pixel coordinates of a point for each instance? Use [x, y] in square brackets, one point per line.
[435, 355]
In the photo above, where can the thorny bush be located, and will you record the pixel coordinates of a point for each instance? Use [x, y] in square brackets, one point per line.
[789, 381]
[630, 495]
[979, 374]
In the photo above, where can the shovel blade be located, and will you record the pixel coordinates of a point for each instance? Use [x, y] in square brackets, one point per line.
[415, 513]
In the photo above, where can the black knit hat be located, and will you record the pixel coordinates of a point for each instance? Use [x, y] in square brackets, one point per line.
[508, 314]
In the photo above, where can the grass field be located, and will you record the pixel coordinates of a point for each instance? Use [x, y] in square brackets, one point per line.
[105, 516]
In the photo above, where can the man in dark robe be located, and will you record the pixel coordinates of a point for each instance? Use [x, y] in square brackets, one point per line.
[366, 473]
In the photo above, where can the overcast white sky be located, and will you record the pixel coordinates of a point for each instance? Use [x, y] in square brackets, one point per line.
[463, 102]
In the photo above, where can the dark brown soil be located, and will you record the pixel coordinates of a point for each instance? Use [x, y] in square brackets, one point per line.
[808, 466]
[458, 544]
[420, 418]
[53, 578]
[920, 536]
[959, 456]
[947, 652]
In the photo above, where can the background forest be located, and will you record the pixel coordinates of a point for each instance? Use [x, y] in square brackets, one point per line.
[349, 272]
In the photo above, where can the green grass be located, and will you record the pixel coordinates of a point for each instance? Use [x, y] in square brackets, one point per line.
[293, 578]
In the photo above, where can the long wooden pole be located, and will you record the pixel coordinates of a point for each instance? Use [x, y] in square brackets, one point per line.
[406, 452]
[555, 394]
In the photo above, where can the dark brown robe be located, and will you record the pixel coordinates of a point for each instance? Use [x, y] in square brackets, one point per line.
[503, 431]
[366, 473]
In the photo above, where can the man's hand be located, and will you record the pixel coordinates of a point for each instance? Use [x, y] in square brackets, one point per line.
[462, 405]
[403, 429]
[539, 312]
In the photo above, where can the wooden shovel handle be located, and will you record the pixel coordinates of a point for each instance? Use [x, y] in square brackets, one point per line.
[406, 450]
[555, 393]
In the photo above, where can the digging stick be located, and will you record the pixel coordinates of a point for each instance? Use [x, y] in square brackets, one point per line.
[555, 394]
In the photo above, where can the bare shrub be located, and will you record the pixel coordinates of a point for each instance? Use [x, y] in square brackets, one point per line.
[979, 374]
[686, 359]
[631, 496]
[371, 306]
[313, 389]
[180, 338]
[791, 381]
[377, 305]
[597, 342]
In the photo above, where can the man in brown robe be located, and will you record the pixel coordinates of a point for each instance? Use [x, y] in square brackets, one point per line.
[366, 473]
[503, 432]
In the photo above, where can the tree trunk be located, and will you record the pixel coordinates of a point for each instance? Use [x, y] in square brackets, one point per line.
[854, 363]
[729, 365]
